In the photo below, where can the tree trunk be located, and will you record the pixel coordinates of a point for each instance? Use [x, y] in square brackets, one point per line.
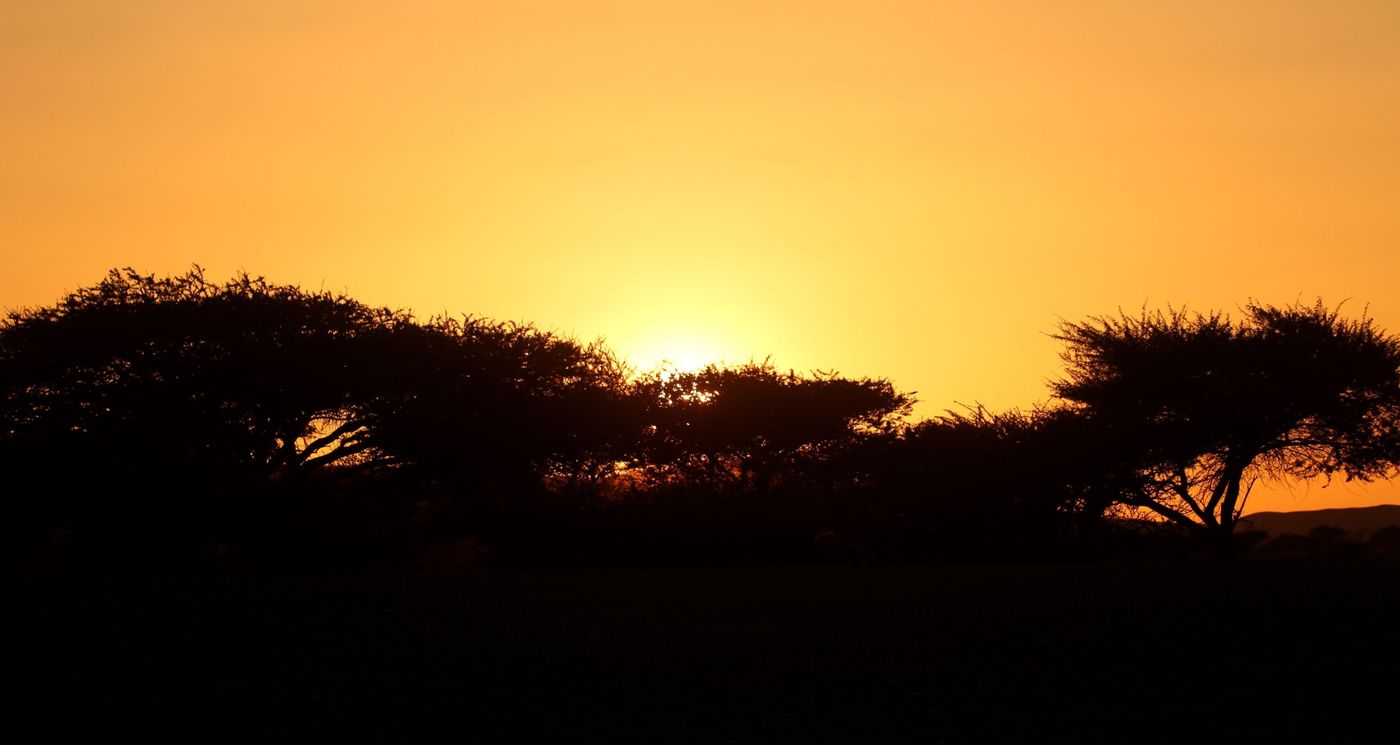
[1224, 531]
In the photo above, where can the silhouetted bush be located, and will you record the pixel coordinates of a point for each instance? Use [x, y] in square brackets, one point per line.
[1249, 540]
[972, 486]
[1290, 544]
[1323, 540]
[1386, 539]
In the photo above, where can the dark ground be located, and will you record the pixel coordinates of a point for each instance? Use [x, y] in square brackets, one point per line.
[1252, 651]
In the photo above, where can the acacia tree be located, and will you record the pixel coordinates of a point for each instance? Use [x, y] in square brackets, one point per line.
[484, 406]
[244, 376]
[1210, 405]
[146, 409]
[162, 416]
[752, 426]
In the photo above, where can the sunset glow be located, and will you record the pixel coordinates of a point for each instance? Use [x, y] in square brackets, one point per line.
[682, 347]
[913, 190]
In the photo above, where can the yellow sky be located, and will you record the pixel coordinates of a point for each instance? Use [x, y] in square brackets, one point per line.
[914, 190]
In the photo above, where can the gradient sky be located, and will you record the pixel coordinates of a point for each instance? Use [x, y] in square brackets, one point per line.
[916, 190]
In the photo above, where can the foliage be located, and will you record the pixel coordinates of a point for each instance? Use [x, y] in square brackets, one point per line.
[978, 483]
[754, 426]
[180, 422]
[495, 423]
[1210, 404]
[245, 376]
[179, 416]
[1385, 538]
[146, 415]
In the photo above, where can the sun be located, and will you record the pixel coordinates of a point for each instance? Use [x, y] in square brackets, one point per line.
[676, 352]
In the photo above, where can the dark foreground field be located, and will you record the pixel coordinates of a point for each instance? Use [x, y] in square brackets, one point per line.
[1253, 651]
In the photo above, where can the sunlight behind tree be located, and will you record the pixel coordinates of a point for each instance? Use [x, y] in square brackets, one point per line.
[680, 350]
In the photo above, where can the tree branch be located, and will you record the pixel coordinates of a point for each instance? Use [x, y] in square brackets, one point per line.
[343, 451]
[321, 442]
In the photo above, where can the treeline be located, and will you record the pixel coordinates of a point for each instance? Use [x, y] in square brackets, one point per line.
[181, 424]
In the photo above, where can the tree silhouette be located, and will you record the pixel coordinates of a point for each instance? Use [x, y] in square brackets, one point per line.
[979, 483]
[492, 419]
[754, 426]
[154, 409]
[149, 421]
[144, 412]
[1209, 405]
[742, 464]
[244, 374]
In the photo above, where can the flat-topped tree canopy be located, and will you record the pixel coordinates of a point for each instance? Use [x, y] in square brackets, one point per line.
[182, 408]
[144, 373]
[755, 422]
[1212, 404]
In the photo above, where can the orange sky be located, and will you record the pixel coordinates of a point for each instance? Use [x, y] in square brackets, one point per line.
[914, 190]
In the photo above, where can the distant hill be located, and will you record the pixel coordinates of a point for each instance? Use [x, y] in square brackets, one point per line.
[1357, 521]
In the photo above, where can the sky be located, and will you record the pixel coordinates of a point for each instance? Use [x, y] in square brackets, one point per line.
[913, 190]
